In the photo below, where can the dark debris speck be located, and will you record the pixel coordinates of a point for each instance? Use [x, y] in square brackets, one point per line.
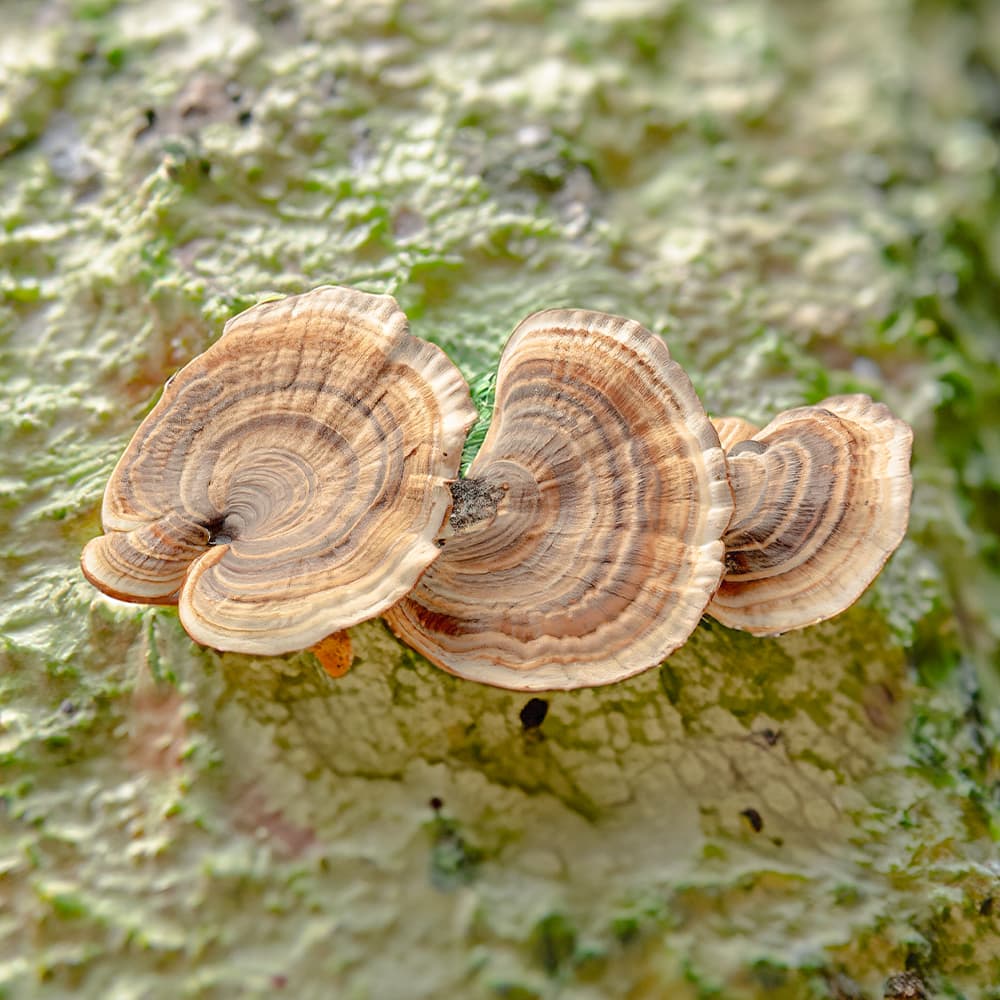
[149, 118]
[534, 712]
[473, 500]
[905, 986]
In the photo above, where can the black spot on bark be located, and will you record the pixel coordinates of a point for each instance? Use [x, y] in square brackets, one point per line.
[534, 712]
[149, 123]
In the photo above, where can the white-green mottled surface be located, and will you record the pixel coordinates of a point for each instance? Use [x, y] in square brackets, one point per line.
[803, 199]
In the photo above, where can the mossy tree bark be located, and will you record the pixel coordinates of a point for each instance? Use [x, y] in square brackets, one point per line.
[802, 199]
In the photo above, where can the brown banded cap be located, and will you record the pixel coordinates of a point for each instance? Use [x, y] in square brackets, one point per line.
[732, 430]
[587, 537]
[822, 500]
[291, 480]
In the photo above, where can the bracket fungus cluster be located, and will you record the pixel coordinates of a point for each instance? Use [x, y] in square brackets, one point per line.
[300, 476]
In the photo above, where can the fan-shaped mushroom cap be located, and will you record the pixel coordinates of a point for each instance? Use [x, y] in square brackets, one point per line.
[587, 538]
[292, 480]
[822, 500]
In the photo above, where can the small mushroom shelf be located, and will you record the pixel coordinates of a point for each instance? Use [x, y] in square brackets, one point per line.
[301, 476]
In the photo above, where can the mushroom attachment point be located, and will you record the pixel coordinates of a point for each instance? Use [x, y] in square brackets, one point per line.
[822, 500]
[585, 542]
[292, 480]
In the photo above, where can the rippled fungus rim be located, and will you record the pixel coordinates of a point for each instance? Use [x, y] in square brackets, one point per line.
[454, 415]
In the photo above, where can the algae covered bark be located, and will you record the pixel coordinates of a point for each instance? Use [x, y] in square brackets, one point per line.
[802, 199]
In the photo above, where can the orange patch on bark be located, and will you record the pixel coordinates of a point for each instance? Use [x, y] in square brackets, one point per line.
[334, 653]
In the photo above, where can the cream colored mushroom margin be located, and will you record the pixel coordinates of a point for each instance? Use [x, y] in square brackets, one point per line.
[587, 538]
[292, 480]
[822, 500]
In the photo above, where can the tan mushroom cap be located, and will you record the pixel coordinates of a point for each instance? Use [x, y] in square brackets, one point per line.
[292, 480]
[822, 500]
[587, 537]
[732, 430]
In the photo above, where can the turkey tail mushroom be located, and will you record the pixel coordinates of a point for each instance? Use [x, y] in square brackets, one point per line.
[586, 541]
[292, 480]
[822, 500]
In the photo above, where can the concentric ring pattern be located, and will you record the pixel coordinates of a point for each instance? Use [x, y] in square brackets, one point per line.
[292, 480]
[597, 544]
[822, 500]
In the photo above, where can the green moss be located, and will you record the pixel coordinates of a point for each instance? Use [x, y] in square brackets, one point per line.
[68, 906]
[553, 941]
[483, 389]
[453, 861]
[515, 991]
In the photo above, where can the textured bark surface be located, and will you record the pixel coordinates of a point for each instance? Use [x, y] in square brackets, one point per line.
[802, 199]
